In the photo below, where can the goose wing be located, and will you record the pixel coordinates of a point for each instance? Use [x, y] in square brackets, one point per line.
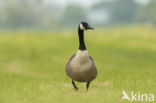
[91, 59]
[94, 69]
[67, 66]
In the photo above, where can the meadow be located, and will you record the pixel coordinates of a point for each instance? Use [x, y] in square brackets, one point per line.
[32, 65]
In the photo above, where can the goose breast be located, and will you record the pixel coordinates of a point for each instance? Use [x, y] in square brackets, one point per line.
[81, 67]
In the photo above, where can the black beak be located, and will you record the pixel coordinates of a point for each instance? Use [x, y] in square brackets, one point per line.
[89, 27]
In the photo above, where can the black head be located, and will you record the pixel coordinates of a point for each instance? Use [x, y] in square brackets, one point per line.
[84, 26]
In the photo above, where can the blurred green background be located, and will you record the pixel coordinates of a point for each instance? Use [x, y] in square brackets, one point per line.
[66, 14]
[37, 38]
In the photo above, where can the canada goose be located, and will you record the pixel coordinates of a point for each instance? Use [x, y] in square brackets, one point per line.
[81, 67]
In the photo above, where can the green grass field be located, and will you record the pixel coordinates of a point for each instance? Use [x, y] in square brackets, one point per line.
[32, 67]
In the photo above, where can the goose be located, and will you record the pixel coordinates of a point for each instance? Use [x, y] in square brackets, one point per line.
[81, 67]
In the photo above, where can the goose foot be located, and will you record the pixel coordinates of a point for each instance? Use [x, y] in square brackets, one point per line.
[74, 85]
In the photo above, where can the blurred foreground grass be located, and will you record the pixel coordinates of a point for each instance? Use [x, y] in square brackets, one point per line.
[32, 66]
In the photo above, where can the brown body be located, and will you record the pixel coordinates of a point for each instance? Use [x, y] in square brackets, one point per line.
[81, 67]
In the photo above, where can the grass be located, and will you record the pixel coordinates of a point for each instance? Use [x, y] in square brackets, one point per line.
[32, 67]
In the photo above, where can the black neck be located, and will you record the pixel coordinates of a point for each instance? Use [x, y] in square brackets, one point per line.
[81, 39]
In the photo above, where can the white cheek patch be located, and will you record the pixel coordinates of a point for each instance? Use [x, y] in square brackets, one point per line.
[81, 27]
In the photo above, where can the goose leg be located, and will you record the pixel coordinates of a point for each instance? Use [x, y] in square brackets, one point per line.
[87, 86]
[74, 85]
